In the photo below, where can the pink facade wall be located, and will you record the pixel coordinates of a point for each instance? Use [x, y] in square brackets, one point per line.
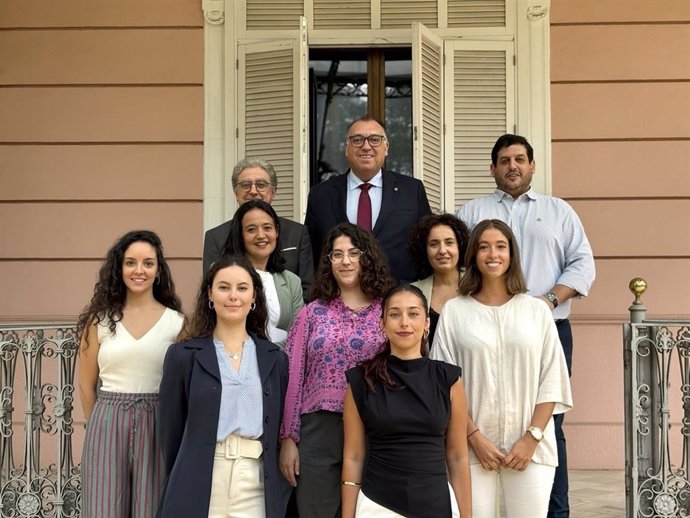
[102, 132]
[620, 99]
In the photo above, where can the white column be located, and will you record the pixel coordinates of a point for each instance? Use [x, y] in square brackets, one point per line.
[214, 113]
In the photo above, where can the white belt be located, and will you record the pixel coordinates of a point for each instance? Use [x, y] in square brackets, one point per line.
[236, 447]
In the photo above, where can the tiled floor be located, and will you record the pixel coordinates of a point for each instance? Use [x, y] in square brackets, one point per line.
[597, 494]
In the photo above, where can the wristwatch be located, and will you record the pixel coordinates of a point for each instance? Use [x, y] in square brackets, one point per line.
[536, 432]
[551, 297]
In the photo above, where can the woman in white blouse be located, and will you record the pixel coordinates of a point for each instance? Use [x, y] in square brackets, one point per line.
[255, 234]
[515, 375]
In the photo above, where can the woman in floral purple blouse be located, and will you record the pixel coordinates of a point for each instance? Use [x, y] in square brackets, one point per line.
[332, 334]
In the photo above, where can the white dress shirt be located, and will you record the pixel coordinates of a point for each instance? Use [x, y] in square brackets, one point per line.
[553, 246]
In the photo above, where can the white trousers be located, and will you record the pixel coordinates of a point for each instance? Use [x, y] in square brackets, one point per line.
[367, 508]
[237, 487]
[526, 493]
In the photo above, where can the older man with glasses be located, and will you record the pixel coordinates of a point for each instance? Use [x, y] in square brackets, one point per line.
[385, 203]
[256, 179]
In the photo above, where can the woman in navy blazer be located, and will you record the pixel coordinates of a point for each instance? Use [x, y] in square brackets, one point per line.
[230, 300]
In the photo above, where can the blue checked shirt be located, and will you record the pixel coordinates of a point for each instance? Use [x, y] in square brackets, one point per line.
[553, 246]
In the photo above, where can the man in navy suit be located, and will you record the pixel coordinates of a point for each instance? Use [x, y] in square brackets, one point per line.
[396, 201]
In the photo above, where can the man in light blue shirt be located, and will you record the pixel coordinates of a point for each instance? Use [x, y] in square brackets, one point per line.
[556, 257]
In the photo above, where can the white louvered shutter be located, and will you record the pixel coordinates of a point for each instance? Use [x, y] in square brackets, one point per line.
[272, 114]
[476, 13]
[273, 14]
[339, 14]
[427, 111]
[480, 109]
[402, 13]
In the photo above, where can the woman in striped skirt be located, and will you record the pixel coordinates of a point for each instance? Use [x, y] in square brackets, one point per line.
[133, 316]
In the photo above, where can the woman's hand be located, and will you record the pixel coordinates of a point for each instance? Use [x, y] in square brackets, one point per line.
[487, 453]
[289, 460]
[520, 454]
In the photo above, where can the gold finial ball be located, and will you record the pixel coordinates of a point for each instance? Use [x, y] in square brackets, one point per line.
[638, 286]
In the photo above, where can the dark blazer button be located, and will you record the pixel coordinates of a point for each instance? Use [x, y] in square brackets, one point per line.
[266, 419]
[266, 476]
[267, 392]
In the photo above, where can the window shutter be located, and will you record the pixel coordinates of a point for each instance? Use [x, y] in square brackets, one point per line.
[427, 106]
[336, 14]
[272, 114]
[402, 13]
[482, 109]
[273, 14]
[476, 13]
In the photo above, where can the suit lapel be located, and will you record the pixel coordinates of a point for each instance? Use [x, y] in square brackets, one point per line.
[206, 357]
[339, 198]
[283, 293]
[388, 201]
[265, 358]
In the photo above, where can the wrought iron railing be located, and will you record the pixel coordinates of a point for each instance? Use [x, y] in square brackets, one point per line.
[37, 366]
[656, 481]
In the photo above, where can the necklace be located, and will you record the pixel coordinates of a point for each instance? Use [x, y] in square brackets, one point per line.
[232, 354]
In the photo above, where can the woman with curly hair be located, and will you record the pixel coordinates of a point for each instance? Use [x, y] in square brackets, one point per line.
[222, 397]
[438, 246]
[133, 316]
[333, 333]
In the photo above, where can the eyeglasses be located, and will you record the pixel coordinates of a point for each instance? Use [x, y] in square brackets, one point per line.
[261, 185]
[374, 140]
[338, 256]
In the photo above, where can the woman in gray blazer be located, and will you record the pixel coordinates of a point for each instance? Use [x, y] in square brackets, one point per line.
[255, 234]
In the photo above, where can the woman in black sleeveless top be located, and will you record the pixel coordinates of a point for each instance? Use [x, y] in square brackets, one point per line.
[406, 416]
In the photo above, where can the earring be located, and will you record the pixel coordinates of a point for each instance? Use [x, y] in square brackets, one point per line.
[157, 280]
[252, 307]
[211, 305]
[425, 337]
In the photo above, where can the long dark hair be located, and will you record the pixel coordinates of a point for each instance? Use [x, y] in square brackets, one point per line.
[204, 319]
[420, 236]
[376, 369]
[374, 278]
[110, 292]
[471, 281]
[234, 244]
